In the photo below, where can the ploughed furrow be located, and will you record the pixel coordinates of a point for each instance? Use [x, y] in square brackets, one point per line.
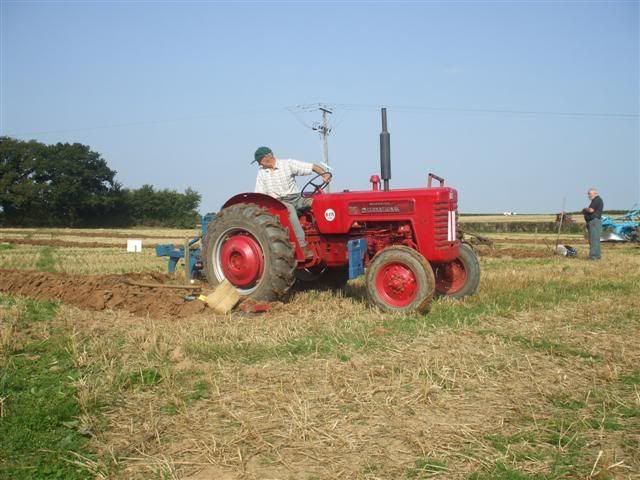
[103, 292]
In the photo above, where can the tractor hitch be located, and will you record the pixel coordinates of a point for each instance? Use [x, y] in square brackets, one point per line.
[193, 262]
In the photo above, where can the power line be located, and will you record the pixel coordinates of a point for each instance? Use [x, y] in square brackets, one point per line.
[408, 108]
[298, 109]
[141, 123]
[102, 127]
[296, 114]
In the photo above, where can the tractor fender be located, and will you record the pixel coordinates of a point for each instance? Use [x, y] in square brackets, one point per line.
[275, 207]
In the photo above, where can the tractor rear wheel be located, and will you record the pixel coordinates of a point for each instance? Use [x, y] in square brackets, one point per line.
[460, 277]
[400, 279]
[248, 246]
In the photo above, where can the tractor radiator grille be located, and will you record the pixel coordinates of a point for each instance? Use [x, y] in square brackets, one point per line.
[441, 224]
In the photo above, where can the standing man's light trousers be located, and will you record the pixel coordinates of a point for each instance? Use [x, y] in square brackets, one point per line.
[594, 227]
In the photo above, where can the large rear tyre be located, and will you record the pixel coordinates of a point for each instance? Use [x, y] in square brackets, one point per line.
[250, 248]
[400, 279]
[459, 278]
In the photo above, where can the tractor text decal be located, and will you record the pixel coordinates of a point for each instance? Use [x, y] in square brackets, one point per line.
[373, 208]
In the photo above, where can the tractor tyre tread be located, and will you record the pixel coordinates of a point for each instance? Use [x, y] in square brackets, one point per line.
[426, 290]
[279, 253]
[470, 259]
[471, 264]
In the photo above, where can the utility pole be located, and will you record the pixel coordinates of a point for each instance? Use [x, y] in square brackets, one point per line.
[322, 127]
[324, 131]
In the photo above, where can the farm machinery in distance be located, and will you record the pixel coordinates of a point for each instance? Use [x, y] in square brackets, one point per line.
[624, 229]
[406, 239]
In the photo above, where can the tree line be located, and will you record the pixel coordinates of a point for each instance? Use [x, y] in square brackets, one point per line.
[69, 185]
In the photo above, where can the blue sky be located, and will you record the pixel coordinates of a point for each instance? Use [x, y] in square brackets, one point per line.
[181, 94]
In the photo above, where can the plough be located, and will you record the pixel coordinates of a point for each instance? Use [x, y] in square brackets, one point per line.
[192, 249]
[624, 229]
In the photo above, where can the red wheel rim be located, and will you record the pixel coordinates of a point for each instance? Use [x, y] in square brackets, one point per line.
[241, 260]
[396, 284]
[451, 277]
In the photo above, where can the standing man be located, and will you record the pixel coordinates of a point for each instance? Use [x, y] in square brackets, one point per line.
[276, 178]
[593, 217]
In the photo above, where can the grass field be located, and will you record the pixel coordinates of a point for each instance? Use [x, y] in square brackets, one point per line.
[535, 377]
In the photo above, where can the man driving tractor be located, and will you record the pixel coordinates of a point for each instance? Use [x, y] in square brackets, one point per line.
[276, 178]
[403, 240]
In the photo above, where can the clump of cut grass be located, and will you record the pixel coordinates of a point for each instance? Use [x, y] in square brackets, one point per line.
[632, 378]
[144, 377]
[503, 472]
[426, 467]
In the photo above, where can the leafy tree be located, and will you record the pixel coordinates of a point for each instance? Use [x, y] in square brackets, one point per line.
[79, 182]
[71, 185]
[21, 193]
[163, 207]
[63, 184]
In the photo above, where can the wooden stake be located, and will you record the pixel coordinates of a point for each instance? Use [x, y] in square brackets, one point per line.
[564, 200]
[187, 261]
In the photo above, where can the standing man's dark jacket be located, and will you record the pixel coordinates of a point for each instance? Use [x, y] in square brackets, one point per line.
[598, 205]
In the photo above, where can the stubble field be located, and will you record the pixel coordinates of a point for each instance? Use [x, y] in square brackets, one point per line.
[535, 377]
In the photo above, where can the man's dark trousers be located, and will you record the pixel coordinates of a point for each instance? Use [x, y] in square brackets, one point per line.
[594, 227]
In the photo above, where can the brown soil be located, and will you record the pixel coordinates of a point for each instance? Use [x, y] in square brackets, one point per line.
[536, 252]
[66, 243]
[103, 292]
[563, 241]
[514, 253]
[76, 233]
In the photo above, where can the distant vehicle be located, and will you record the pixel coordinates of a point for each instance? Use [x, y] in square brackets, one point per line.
[509, 214]
[566, 218]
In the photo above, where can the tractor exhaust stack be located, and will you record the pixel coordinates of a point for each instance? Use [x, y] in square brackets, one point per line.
[385, 152]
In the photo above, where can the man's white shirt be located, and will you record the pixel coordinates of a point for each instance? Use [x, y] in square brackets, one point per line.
[280, 181]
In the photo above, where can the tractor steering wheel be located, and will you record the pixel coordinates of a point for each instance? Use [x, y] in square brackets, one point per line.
[312, 188]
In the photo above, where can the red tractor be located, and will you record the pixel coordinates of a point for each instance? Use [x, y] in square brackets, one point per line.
[406, 239]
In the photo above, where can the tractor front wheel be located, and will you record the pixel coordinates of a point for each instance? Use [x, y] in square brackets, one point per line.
[248, 246]
[460, 277]
[400, 279]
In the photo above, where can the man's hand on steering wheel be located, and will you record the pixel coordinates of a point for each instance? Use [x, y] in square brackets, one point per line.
[312, 187]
